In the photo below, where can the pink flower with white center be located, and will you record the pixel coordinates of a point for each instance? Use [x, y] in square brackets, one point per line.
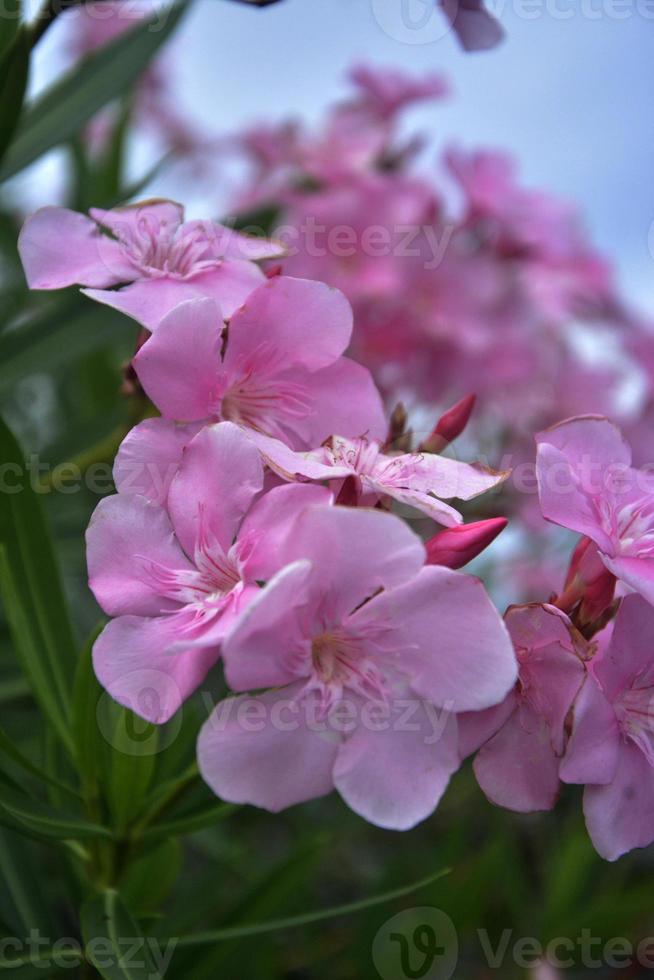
[586, 483]
[369, 656]
[523, 739]
[611, 748]
[148, 249]
[176, 577]
[415, 479]
[277, 369]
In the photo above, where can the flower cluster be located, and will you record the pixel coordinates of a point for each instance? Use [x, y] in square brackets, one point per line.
[492, 289]
[251, 524]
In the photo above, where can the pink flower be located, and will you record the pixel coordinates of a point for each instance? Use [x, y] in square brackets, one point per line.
[386, 91]
[586, 483]
[415, 479]
[148, 246]
[475, 28]
[523, 739]
[277, 369]
[176, 577]
[611, 748]
[369, 655]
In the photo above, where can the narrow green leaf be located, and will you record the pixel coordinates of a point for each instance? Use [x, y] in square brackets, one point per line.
[10, 23]
[110, 937]
[132, 760]
[31, 588]
[20, 881]
[86, 732]
[97, 80]
[14, 69]
[207, 817]
[37, 818]
[307, 918]
[13, 752]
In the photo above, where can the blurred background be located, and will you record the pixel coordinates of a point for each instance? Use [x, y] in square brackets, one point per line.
[567, 95]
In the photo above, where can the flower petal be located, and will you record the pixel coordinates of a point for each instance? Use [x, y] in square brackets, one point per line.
[149, 457]
[132, 662]
[620, 816]
[259, 750]
[395, 776]
[125, 534]
[179, 366]
[446, 636]
[290, 322]
[345, 402]
[59, 248]
[220, 474]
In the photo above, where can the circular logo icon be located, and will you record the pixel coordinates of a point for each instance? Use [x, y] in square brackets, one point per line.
[416, 944]
[146, 692]
[410, 21]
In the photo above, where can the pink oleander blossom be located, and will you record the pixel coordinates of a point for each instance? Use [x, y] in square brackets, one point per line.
[176, 577]
[586, 483]
[611, 748]
[415, 479]
[148, 249]
[277, 369]
[354, 636]
[523, 739]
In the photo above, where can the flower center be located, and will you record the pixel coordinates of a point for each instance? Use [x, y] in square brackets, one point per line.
[267, 404]
[339, 663]
[159, 249]
[633, 526]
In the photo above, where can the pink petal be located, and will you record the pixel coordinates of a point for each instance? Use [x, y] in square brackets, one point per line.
[246, 757]
[620, 816]
[271, 630]
[477, 727]
[132, 661]
[268, 523]
[219, 476]
[355, 552]
[447, 478]
[571, 461]
[395, 777]
[148, 301]
[229, 284]
[149, 457]
[475, 27]
[629, 653]
[434, 508]
[123, 222]
[290, 464]
[518, 768]
[636, 572]
[125, 534]
[232, 244]
[59, 247]
[290, 322]
[179, 366]
[592, 752]
[447, 637]
[345, 402]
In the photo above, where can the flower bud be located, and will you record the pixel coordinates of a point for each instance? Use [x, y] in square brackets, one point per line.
[456, 546]
[450, 425]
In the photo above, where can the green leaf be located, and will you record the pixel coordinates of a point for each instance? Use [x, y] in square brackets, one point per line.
[32, 593]
[111, 936]
[22, 813]
[86, 732]
[14, 69]
[307, 918]
[13, 752]
[208, 816]
[97, 80]
[10, 23]
[131, 764]
[19, 870]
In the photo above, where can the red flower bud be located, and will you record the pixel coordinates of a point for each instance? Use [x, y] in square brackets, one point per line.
[450, 425]
[456, 546]
[589, 584]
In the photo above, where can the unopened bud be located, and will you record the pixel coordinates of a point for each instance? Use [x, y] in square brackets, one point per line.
[456, 546]
[589, 585]
[450, 425]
